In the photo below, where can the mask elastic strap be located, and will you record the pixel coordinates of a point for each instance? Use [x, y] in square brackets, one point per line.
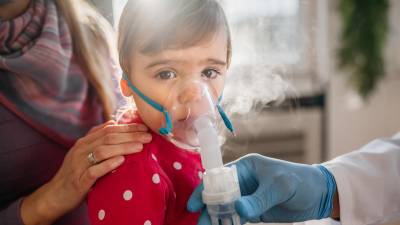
[164, 130]
[225, 117]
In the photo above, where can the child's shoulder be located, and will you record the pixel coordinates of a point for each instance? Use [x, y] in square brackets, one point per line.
[139, 164]
[139, 185]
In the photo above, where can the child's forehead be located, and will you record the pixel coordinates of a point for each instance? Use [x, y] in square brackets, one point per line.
[211, 48]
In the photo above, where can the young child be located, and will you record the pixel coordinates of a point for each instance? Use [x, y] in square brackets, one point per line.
[163, 44]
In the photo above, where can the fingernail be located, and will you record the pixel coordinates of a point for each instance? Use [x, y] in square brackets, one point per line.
[139, 147]
[142, 127]
[146, 138]
[120, 160]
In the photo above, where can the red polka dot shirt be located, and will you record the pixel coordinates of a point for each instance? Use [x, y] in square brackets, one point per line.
[150, 188]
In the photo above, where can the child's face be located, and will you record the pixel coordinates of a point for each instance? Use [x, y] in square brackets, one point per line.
[156, 74]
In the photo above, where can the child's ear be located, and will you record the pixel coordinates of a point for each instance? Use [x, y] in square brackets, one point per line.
[126, 91]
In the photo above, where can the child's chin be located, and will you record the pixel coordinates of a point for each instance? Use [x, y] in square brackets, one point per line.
[185, 135]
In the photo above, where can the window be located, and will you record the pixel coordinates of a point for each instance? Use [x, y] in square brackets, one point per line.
[264, 31]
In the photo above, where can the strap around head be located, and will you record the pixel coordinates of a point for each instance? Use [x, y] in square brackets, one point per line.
[225, 117]
[144, 97]
[226, 120]
[164, 130]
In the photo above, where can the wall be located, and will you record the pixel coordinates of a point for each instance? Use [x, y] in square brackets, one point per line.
[352, 123]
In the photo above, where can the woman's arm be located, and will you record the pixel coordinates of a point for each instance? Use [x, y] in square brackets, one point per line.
[69, 186]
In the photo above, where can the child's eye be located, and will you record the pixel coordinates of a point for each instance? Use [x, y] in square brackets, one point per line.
[166, 75]
[210, 73]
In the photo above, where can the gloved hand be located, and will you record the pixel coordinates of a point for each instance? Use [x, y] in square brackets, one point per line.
[277, 191]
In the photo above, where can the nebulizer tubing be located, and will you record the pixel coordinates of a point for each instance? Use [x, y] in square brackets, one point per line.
[221, 186]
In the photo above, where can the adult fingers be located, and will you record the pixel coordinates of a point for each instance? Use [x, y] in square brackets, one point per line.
[248, 179]
[110, 135]
[94, 172]
[120, 138]
[96, 128]
[195, 202]
[204, 218]
[112, 129]
[104, 152]
[265, 197]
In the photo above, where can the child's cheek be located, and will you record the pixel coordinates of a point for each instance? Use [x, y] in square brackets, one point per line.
[218, 86]
[150, 116]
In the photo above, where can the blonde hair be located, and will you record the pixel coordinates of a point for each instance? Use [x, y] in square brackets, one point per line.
[93, 45]
[150, 26]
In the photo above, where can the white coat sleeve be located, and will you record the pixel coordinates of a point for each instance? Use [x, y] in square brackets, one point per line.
[368, 182]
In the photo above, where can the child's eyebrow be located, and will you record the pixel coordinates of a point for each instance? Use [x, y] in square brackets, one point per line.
[216, 61]
[166, 62]
[162, 62]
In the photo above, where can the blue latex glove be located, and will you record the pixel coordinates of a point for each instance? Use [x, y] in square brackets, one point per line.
[277, 191]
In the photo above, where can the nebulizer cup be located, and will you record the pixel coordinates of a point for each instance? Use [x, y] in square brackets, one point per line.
[194, 112]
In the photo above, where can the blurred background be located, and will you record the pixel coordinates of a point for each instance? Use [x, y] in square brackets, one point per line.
[310, 79]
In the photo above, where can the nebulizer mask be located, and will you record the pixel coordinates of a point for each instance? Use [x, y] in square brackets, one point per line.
[190, 112]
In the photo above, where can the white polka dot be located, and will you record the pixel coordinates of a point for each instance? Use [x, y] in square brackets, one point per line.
[156, 178]
[154, 157]
[200, 175]
[101, 214]
[113, 171]
[148, 222]
[128, 195]
[177, 165]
